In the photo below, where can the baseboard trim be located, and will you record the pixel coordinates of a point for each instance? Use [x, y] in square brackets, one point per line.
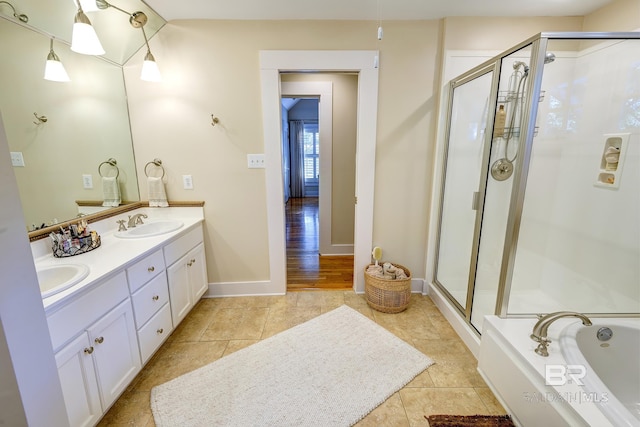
[265, 288]
[241, 289]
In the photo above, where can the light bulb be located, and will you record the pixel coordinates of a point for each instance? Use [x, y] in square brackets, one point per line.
[150, 70]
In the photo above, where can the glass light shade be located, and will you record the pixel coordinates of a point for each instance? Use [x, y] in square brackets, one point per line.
[88, 5]
[84, 38]
[150, 70]
[54, 70]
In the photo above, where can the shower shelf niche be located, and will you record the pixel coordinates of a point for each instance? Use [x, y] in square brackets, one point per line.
[612, 160]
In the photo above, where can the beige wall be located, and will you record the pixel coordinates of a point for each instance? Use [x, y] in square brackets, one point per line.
[620, 15]
[343, 162]
[212, 67]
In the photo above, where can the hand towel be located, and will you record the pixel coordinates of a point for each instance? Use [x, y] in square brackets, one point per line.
[110, 191]
[157, 195]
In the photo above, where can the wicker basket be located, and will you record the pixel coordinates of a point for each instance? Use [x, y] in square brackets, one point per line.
[388, 296]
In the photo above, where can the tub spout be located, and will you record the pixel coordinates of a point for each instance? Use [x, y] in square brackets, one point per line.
[539, 333]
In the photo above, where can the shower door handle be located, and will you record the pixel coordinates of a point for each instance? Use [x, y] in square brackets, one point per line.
[475, 200]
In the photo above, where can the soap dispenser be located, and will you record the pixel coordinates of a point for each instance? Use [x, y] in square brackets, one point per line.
[500, 121]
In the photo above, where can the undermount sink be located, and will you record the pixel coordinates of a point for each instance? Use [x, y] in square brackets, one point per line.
[57, 278]
[150, 229]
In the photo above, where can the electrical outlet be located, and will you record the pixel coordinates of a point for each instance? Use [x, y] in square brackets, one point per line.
[16, 159]
[87, 181]
[255, 161]
[187, 182]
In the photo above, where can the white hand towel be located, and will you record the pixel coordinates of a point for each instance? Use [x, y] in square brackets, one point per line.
[157, 195]
[110, 191]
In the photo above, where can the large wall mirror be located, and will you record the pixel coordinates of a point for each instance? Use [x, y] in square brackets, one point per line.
[87, 121]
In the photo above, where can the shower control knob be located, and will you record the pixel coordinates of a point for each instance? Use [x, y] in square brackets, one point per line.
[501, 169]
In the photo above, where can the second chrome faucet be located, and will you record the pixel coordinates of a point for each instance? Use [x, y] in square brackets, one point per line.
[539, 333]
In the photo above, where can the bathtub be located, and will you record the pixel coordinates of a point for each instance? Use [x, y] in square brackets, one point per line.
[612, 366]
[580, 383]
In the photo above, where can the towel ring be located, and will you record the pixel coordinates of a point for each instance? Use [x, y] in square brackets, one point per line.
[111, 162]
[157, 163]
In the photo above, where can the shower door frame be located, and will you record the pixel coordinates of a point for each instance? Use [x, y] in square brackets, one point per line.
[538, 45]
[491, 66]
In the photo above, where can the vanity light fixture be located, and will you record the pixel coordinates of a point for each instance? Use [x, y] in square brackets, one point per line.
[54, 70]
[84, 38]
[89, 5]
[150, 71]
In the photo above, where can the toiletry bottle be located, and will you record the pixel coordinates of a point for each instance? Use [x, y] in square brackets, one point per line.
[500, 121]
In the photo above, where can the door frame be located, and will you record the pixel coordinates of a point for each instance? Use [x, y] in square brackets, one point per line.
[274, 62]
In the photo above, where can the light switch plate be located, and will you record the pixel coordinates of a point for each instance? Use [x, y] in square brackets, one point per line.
[187, 182]
[87, 181]
[16, 159]
[255, 161]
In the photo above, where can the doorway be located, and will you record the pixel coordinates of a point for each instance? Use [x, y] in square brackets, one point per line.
[319, 202]
[272, 64]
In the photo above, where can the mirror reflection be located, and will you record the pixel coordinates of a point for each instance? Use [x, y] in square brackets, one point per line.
[61, 133]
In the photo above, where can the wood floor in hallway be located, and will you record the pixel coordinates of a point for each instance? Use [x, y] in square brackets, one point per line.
[306, 269]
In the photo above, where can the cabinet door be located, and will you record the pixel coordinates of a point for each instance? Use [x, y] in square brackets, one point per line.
[197, 272]
[79, 386]
[116, 353]
[179, 290]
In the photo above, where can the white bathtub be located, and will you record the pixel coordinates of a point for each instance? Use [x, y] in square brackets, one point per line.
[612, 367]
[568, 388]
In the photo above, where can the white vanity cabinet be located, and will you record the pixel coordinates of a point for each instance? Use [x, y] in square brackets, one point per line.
[150, 298]
[187, 272]
[97, 353]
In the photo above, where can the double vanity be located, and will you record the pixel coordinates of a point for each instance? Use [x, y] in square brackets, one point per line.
[110, 309]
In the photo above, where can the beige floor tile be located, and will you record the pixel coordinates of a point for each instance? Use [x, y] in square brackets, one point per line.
[419, 402]
[178, 358]
[217, 327]
[194, 325]
[488, 398]
[237, 324]
[132, 409]
[390, 414]
[235, 345]
[456, 372]
[283, 318]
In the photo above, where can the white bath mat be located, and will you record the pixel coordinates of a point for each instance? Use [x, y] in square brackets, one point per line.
[330, 371]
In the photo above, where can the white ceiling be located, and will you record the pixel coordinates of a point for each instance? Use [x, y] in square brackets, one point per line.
[368, 9]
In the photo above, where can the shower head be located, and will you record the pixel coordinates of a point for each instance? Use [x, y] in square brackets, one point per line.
[519, 64]
[549, 58]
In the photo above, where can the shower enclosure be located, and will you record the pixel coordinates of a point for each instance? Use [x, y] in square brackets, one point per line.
[540, 197]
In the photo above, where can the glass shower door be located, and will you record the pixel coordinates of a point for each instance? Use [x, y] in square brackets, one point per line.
[465, 152]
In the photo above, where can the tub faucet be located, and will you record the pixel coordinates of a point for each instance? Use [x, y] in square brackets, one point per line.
[539, 333]
[136, 219]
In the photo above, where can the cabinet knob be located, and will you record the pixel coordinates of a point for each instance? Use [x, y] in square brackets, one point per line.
[151, 269]
[159, 331]
[155, 297]
[88, 350]
[99, 340]
[193, 261]
[189, 264]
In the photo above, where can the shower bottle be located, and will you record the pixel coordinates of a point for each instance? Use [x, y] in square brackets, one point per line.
[500, 121]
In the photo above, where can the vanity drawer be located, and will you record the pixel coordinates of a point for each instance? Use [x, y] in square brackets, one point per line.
[144, 270]
[153, 334]
[176, 249]
[148, 299]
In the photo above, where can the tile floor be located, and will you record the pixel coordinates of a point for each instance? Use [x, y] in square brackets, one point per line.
[217, 327]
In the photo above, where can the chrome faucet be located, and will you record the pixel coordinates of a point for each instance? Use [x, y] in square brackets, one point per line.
[136, 220]
[539, 333]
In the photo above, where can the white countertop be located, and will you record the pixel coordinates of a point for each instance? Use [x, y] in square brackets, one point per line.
[114, 252]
